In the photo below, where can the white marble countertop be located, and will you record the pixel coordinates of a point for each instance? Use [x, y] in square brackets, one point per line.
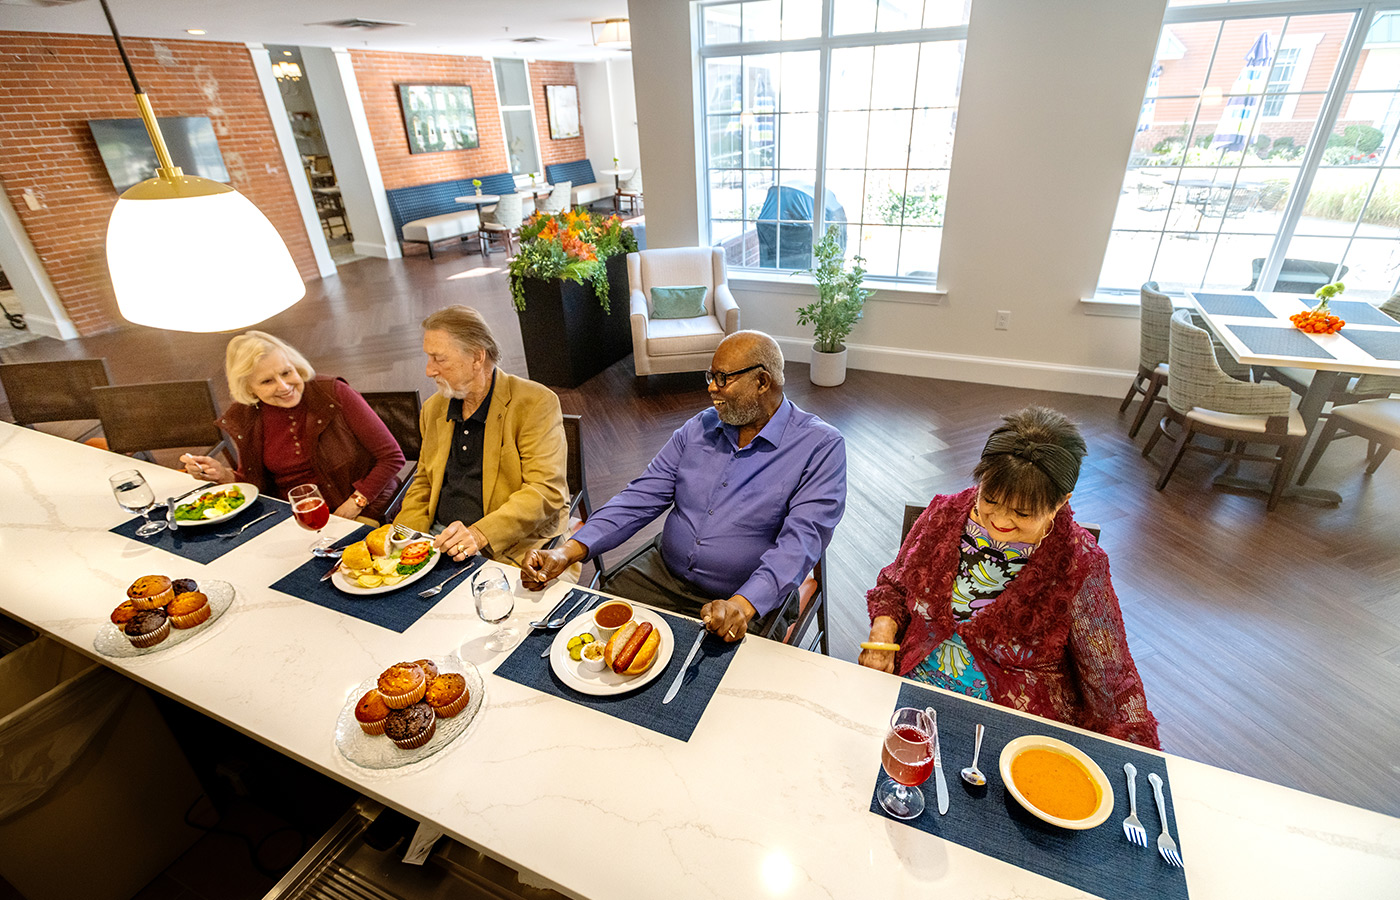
[769, 798]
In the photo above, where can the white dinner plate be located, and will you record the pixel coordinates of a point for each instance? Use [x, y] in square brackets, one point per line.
[350, 587]
[250, 493]
[110, 640]
[377, 751]
[607, 683]
[1042, 742]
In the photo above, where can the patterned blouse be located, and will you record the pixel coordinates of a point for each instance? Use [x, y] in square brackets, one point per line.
[985, 567]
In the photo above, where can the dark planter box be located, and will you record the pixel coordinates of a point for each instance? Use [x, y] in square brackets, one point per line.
[568, 338]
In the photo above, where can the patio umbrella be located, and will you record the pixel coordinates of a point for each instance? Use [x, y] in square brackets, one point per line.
[1232, 133]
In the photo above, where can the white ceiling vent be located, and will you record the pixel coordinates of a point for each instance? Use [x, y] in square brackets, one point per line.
[367, 24]
[528, 40]
[38, 2]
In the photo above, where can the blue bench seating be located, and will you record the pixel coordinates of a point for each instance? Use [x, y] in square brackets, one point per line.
[587, 189]
[427, 213]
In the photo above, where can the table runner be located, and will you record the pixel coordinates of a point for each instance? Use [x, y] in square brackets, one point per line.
[1289, 341]
[1356, 312]
[643, 706]
[395, 610]
[1233, 305]
[202, 543]
[988, 820]
[1380, 344]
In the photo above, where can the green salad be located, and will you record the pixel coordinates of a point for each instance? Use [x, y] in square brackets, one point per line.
[210, 505]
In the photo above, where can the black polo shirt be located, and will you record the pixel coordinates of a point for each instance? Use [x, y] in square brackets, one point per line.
[460, 497]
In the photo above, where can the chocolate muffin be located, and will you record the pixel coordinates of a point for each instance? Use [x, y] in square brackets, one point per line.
[147, 628]
[183, 586]
[410, 727]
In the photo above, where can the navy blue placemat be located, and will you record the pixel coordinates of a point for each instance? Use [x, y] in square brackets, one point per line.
[1380, 344]
[202, 543]
[394, 610]
[1233, 305]
[1278, 341]
[1359, 312]
[643, 706]
[1100, 861]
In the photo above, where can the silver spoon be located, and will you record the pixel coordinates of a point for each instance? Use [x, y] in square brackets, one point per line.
[559, 620]
[973, 775]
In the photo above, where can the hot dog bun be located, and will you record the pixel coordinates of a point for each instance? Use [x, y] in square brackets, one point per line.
[646, 655]
[632, 648]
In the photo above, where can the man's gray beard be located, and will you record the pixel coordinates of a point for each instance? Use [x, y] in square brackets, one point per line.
[446, 390]
[737, 414]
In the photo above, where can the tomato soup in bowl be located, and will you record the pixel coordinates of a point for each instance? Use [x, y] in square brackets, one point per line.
[611, 616]
[1056, 782]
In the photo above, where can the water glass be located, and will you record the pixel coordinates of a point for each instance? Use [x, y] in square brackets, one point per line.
[135, 495]
[494, 603]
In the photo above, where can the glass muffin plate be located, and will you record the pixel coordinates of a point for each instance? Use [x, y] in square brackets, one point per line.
[111, 642]
[377, 751]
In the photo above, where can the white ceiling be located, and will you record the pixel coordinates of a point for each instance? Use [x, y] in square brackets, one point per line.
[462, 27]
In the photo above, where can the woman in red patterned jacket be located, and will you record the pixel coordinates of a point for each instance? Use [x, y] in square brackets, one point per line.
[998, 594]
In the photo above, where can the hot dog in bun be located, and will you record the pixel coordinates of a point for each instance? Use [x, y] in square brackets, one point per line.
[632, 648]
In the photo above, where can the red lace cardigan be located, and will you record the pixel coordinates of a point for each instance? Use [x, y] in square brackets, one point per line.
[1052, 644]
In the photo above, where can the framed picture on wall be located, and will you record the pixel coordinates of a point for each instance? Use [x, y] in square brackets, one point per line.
[562, 100]
[438, 117]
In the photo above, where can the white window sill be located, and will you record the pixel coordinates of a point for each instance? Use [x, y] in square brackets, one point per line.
[785, 283]
[1120, 306]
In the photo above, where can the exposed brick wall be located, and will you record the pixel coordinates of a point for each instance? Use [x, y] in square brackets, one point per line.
[51, 84]
[379, 75]
[552, 151]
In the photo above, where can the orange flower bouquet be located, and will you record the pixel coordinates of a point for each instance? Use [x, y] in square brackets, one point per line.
[1319, 319]
[571, 246]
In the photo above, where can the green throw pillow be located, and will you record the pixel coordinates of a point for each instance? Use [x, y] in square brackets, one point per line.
[678, 302]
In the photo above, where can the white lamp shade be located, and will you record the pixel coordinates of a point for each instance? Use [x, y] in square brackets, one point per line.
[198, 263]
[613, 33]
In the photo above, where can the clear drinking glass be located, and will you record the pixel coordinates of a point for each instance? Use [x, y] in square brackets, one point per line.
[908, 760]
[310, 510]
[135, 495]
[494, 604]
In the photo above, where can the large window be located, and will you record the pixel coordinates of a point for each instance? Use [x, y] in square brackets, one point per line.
[517, 116]
[1264, 153]
[853, 101]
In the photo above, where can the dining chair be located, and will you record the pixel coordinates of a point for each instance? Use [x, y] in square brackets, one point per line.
[1155, 314]
[55, 391]
[1378, 421]
[580, 507]
[630, 191]
[503, 219]
[1205, 400]
[139, 418]
[399, 411]
[558, 199]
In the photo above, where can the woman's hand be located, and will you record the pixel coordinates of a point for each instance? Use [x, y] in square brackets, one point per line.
[884, 630]
[349, 510]
[207, 468]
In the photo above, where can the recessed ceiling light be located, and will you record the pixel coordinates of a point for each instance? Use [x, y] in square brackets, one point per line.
[194, 31]
[286, 53]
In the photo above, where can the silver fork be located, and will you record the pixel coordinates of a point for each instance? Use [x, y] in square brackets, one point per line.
[437, 588]
[233, 534]
[1165, 845]
[1131, 826]
[406, 533]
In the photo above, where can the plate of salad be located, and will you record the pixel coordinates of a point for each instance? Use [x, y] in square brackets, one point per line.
[218, 504]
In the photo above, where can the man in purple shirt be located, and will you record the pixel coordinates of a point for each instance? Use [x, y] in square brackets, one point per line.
[756, 487]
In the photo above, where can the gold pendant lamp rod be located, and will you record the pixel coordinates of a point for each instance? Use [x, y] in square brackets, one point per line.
[167, 168]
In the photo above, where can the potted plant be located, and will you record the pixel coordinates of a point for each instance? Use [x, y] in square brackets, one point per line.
[840, 298]
[569, 286]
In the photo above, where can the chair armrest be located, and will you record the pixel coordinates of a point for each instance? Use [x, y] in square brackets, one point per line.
[405, 476]
[639, 306]
[726, 310]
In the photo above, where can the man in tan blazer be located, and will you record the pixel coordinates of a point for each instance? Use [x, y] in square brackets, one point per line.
[491, 474]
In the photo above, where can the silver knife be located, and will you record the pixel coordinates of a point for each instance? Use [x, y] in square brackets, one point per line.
[940, 783]
[675, 687]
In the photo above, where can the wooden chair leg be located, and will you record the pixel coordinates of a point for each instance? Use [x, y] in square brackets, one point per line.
[1283, 470]
[1376, 459]
[1133, 390]
[1178, 451]
[1157, 433]
[1324, 437]
[1154, 385]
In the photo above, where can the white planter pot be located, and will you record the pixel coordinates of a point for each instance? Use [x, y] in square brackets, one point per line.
[828, 369]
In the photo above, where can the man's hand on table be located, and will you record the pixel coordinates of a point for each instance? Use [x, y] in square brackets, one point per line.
[728, 618]
[460, 541]
[542, 566]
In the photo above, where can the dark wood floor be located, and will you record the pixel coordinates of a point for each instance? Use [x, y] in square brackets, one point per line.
[1269, 643]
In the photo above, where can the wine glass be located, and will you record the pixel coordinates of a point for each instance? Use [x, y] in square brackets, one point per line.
[494, 604]
[908, 760]
[310, 510]
[135, 495]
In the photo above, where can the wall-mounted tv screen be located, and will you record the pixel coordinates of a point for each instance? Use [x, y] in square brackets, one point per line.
[130, 158]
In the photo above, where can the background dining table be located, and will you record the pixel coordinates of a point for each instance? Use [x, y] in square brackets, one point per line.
[770, 796]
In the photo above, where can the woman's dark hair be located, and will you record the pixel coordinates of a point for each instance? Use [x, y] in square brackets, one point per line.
[1032, 461]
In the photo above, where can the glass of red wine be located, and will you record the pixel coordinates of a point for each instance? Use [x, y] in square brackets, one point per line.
[908, 760]
[310, 510]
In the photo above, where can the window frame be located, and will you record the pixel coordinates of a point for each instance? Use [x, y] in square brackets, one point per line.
[824, 44]
[502, 109]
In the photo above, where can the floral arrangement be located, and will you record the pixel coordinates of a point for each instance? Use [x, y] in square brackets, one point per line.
[1319, 319]
[476, 183]
[840, 295]
[573, 245]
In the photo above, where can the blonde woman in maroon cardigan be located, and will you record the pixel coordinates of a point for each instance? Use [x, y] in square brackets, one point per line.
[998, 594]
[290, 427]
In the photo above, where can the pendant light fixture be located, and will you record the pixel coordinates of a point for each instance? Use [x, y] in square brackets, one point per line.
[189, 253]
[613, 34]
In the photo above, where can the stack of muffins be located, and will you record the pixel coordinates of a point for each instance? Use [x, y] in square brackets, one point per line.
[154, 604]
[408, 700]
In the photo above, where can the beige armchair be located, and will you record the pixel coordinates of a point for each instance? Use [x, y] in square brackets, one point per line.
[679, 345]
